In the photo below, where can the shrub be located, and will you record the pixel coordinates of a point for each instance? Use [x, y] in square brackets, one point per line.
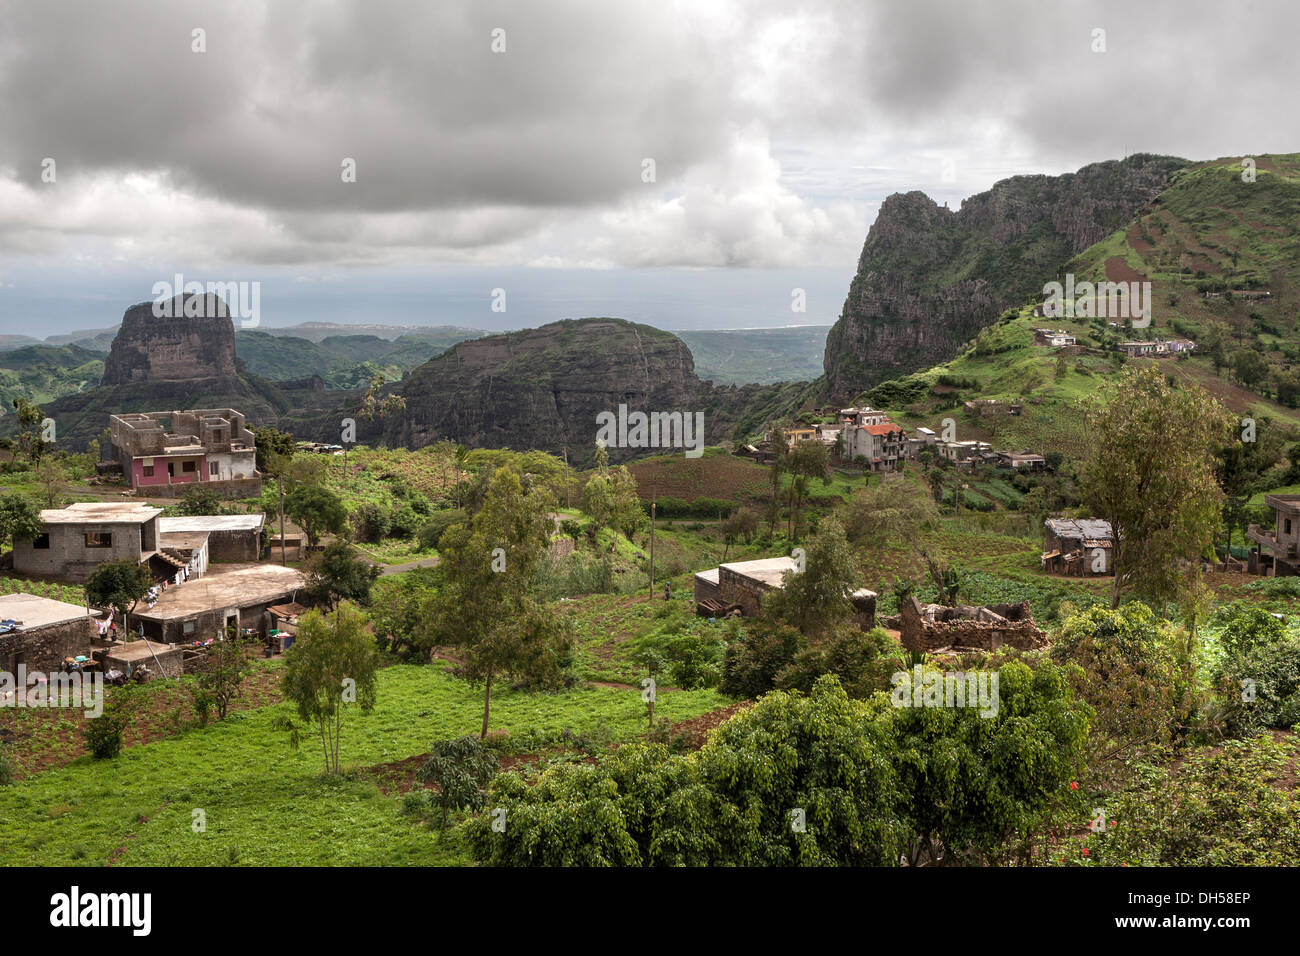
[1261, 688]
[104, 733]
[432, 530]
[1214, 809]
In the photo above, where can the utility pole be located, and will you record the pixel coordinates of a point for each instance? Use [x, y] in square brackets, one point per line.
[652, 547]
[279, 480]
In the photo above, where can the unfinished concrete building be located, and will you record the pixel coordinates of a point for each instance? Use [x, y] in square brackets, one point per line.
[935, 627]
[212, 446]
[79, 538]
[1277, 549]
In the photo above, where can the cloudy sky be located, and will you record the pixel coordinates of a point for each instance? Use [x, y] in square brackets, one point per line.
[507, 145]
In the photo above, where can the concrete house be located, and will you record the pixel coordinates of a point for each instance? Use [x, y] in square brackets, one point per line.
[738, 588]
[40, 633]
[77, 539]
[1021, 460]
[237, 596]
[163, 449]
[1277, 549]
[231, 538]
[883, 445]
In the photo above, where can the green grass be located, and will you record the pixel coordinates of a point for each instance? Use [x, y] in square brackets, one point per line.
[271, 806]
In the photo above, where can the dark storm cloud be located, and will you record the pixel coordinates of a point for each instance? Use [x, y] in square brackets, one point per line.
[761, 116]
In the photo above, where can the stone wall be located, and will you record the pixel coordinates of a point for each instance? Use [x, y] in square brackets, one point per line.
[931, 627]
[734, 588]
[44, 648]
[241, 547]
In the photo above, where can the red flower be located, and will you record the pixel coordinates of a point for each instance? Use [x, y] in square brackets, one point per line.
[1085, 851]
[1074, 785]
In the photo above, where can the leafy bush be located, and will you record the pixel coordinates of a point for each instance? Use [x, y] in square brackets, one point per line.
[431, 531]
[104, 733]
[371, 522]
[1214, 809]
[1261, 687]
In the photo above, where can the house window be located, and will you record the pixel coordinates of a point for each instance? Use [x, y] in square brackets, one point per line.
[41, 542]
[187, 627]
[212, 469]
[147, 471]
[1288, 526]
[188, 466]
[99, 539]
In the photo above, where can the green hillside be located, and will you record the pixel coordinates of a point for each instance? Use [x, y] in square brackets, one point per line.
[758, 356]
[42, 373]
[1209, 232]
[342, 361]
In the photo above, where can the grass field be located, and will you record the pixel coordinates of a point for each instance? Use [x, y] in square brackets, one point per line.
[268, 805]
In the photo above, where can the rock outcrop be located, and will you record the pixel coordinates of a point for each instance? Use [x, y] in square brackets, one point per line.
[543, 388]
[175, 348]
[929, 278]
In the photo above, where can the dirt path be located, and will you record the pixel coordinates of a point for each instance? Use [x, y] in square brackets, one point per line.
[409, 566]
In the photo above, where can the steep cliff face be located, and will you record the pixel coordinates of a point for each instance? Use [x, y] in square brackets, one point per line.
[929, 278]
[178, 348]
[544, 388]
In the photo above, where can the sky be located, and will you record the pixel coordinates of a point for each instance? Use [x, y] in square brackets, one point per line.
[702, 164]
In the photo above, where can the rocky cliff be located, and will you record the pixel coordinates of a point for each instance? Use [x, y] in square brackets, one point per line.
[175, 348]
[185, 362]
[543, 388]
[929, 278]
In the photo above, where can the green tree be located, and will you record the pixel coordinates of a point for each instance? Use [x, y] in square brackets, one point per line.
[609, 498]
[460, 768]
[316, 510]
[340, 573]
[103, 734]
[978, 788]
[220, 672]
[275, 450]
[20, 519]
[52, 479]
[1151, 475]
[806, 461]
[31, 438]
[331, 664]
[118, 584]
[817, 597]
[889, 513]
[484, 605]
[199, 499]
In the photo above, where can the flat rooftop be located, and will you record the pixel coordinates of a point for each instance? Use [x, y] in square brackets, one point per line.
[138, 651]
[197, 523]
[33, 611]
[767, 570]
[228, 586]
[101, 512]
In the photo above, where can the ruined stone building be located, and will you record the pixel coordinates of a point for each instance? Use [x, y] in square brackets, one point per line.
[933, 627]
